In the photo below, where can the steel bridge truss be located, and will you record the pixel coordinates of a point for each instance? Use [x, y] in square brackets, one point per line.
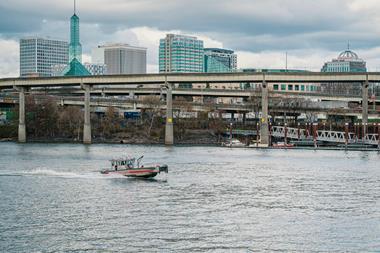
[323, 135]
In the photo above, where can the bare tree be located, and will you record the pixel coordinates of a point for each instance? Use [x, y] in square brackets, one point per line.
[153, 105]
[70, 122]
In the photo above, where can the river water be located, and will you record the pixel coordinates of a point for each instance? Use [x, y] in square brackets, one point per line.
[52, 199]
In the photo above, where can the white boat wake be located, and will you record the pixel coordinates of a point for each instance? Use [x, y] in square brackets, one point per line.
[44, 172]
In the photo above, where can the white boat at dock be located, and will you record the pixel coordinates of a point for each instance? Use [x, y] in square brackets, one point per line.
[234, 143]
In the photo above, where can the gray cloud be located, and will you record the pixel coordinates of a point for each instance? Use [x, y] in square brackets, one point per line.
[262, 24]
[243, 25]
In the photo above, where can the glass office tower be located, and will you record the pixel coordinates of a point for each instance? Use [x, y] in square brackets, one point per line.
[38, 55]
[179, 53]
[219, 60]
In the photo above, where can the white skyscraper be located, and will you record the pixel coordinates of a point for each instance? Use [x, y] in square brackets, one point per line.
[121, 58]
[38, 55]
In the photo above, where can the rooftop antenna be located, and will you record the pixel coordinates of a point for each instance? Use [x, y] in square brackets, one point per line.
[75, 7]
[348, 46]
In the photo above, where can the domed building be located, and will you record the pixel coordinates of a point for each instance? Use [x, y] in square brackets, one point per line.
[347, 61]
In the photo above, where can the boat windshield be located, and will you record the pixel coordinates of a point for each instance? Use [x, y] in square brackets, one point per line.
[123, 162]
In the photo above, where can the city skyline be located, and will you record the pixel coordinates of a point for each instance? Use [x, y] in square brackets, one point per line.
[260, 41]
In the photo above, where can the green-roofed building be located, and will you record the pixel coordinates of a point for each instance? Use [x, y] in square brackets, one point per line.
[75, 67]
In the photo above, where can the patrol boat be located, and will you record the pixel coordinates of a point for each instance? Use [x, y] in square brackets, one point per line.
[132, 167]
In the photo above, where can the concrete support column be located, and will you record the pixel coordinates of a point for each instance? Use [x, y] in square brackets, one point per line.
[264, 131]
[87, 118]
[365, 106]
[21, 122]
[169, 138]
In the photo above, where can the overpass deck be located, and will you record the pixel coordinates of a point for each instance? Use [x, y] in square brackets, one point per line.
[237, 77]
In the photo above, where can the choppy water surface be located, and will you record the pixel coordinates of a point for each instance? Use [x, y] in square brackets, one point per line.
[52, 199]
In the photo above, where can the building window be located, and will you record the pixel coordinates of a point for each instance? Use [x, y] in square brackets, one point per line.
[283, 87]
[296, 87]
[302, 87]
[275, 86]
[290, 87]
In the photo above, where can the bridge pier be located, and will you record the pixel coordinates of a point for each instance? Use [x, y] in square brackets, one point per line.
[169, 138]
[21, 122]
[365, 106]
[264, 131]
[87, 118]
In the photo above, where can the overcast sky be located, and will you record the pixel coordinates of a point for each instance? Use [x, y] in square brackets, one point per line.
[260, 31]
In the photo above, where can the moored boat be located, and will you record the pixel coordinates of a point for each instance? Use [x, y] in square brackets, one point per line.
[132, 167]
[283, 145]
[233, 143]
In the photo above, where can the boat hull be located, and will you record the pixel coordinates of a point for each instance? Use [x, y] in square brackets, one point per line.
[147, 172]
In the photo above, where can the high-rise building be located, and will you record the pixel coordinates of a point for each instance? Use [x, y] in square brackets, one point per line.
[179, 53]
[347, 61]
[219, 60]
[121, 58]
[38, 55]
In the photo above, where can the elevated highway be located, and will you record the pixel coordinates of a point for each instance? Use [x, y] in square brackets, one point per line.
[87, 84]
[244, 93]
[238, 77]
[205, 107]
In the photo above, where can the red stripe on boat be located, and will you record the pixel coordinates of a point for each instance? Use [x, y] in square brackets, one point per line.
[140, 171]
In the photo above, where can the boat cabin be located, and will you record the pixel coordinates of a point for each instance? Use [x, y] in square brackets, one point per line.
[125, 163]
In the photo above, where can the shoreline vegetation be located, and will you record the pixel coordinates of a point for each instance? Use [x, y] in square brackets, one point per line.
[47, 121]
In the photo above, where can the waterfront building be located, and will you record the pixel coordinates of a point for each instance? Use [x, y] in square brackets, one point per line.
[219, 60]
[282, 87]
[347, 61]
[57, 69]
[38, 55]
[121, 58]
[75, 67]
[181, 54]
[96, 69]
[295, 87]
[273, 70]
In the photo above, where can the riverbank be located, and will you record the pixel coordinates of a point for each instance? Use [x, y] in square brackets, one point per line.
[190, 137]
[188, 143]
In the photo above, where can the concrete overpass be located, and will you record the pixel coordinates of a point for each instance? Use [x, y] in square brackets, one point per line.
[87, 83]
[238, 77]
[244, 93]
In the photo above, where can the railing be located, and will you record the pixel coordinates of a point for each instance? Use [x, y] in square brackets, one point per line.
[323, 135]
